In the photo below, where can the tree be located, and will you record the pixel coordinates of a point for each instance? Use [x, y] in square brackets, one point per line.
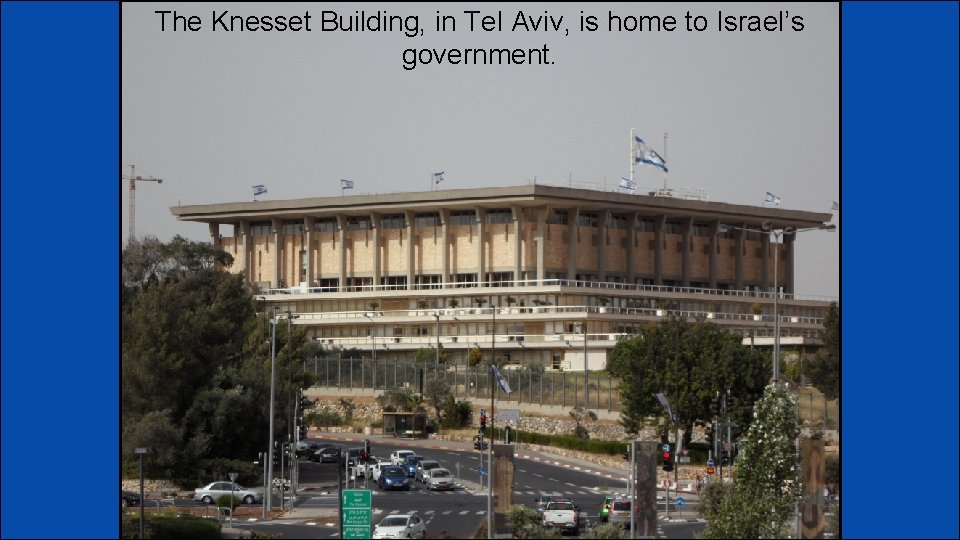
[689, 363]
[399, 399]
[436, 392]
[578, 414]
[767, 484]
[428, 355]
[824, 369]
[195, 361]
[474, 357]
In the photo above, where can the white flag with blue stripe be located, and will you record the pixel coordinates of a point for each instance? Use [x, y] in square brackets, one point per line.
[772, 199]
[438, 177]
[503, 383]
[645, 154]
[259, 189]
[346, 184]
[628, 184]
[836, 206]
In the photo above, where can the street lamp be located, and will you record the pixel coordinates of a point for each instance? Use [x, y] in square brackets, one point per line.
[273, 379]
[437, 315]
[777, 233]
[768, 228]
[140, 452]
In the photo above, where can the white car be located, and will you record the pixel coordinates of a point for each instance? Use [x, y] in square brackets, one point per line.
[401, 526]
[438, 478]
[208, 494]
[397, 457]
[376, 467]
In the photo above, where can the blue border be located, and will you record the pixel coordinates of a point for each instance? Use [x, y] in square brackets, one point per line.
[60, 261]
[899, 165]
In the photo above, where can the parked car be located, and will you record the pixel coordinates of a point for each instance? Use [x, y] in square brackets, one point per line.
[129, 498]
[424, 466]
[209, 493]
[410, 465]
[438, 478]
[397, 456]
[329, 454]
[352, 455]
[393, 477]
[401, 526]
[546, 498]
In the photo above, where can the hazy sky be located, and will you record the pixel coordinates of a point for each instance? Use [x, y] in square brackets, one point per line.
[215, 112]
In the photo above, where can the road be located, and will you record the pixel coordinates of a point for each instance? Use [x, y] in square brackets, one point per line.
[457, 513]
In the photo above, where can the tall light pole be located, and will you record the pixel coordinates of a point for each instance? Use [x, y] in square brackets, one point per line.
[768, 228]
[273, 379]
[437, 315]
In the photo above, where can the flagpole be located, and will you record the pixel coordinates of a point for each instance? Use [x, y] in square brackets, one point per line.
[665, 160]
[632, 159]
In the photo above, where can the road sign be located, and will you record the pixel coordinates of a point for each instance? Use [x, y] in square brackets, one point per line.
[481, 471]
[710, 463]
[679, 501]
[665, 447]
[357, 514]
[709, 470]
[508, 414]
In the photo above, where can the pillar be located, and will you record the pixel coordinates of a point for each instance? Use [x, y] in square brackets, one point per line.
[517, 240]
[788, 259]
[539, 240]
[342, 251]
[602, 230]
[686, 244]
[714, 248]
[659, 223]
[409, 217]
[738, 259]
[308, 225]
[572, 241]
[445, 244]
[375, 229]
[276, 225]
[481, 260]
[631, 249]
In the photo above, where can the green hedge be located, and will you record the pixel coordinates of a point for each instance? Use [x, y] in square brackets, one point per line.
[169, 526]
[696, 451]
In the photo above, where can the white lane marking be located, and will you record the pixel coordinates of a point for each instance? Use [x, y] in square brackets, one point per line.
[462, 512]
[553, 479]
[569, 484]
[535, 474]
[446, 512]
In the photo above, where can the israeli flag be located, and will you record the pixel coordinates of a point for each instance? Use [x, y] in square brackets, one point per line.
[628, 184]
[666, 406]
[836, 206]
[645, 154]
[771, 198]
[259, 189]
[346, 184]
[438, 177]
[500, 380]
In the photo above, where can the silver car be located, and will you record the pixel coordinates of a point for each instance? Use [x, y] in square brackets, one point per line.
[209, 493]
[438, 479]
[423, 469]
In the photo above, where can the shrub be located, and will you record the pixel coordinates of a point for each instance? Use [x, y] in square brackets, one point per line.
[170, 526]
[224, 501]
[606, 531]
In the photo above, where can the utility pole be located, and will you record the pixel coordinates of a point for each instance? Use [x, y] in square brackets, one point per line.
[133, 200]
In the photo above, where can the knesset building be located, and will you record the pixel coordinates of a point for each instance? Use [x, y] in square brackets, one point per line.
[533, 267]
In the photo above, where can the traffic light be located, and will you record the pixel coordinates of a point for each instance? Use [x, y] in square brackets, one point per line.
[724, 457]
[667, 461]
[626, 453]
[483, 419]
[365, 455]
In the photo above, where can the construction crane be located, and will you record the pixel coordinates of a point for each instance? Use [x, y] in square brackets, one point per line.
[133, 199]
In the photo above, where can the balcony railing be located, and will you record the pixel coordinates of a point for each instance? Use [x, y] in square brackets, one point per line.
[472, 314]
[597, 285]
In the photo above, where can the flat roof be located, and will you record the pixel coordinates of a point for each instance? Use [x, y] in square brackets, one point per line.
[534, 195]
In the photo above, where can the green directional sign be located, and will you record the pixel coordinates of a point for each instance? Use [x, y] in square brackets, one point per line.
[357, 514]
